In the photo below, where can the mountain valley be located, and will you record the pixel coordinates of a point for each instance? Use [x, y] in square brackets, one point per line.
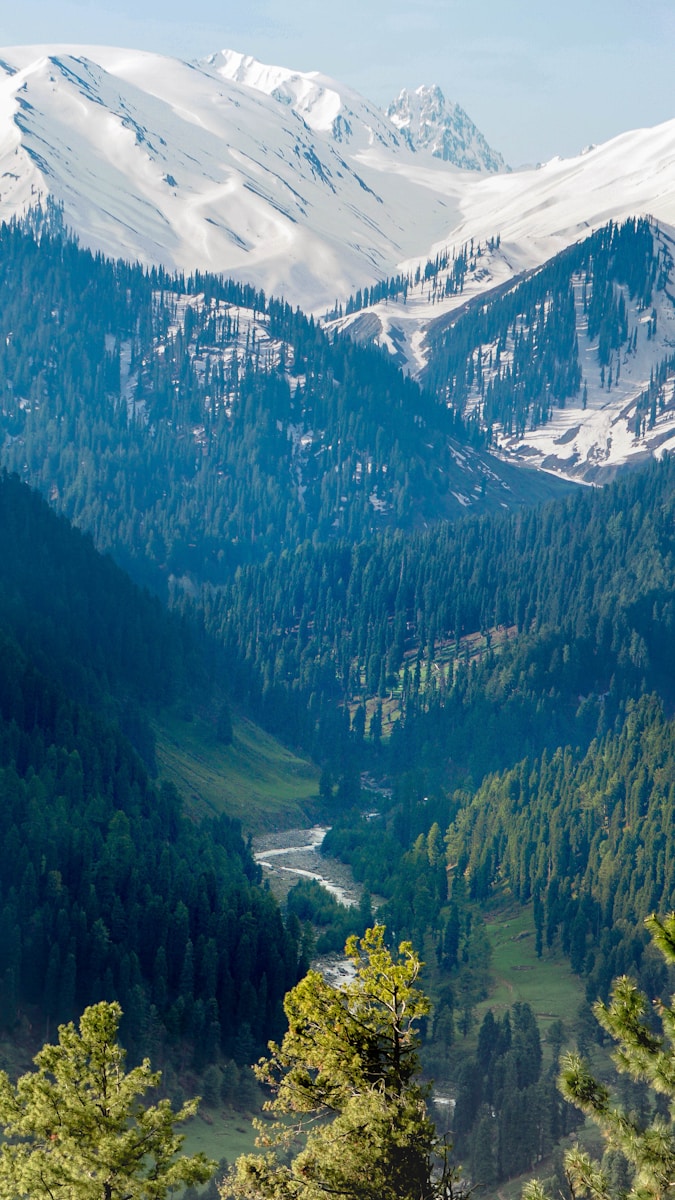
[338, 486]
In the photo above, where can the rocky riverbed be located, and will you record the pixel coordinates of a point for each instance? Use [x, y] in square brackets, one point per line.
[296, 854]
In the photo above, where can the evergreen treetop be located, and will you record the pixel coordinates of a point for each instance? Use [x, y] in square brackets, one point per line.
[77, 1129]
[646, 1054]
[347, 1071]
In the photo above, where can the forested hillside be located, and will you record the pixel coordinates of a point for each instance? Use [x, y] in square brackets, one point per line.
[506, 679]
[589, 836]
[582, 838]
[512, 357]
[567, 725]
[81, 620]
[488, 638]
[568, 366]
[194, 425]
[107, 889]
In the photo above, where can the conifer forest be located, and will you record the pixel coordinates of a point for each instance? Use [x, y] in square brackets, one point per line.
[215, 509]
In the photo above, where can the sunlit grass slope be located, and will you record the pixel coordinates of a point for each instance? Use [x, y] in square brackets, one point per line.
[547, 984]
[255, 779]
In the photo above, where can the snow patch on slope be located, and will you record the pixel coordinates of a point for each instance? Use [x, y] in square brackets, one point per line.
[605, 427]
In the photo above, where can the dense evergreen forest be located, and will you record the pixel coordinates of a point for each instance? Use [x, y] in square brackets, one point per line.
[81, 620]
[567, 725]
[480, 636]
[192, 425]
[589, 837]
[212, 438]
[509, 1113]
[508, 677]
[107, 889]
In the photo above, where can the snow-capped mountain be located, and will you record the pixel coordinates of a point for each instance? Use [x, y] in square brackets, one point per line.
[518, 220]
[298, 185]
[277, 178]
[282, 178]
[327, 107]
[432, 123]
[288, 180]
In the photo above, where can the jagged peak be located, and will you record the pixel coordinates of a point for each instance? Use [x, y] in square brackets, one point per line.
[430, 122]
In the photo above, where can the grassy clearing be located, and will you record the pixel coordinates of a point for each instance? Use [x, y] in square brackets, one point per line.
[220, 1134]
[255, 778]
[224, 1133]
[440, 669]
[547, 984]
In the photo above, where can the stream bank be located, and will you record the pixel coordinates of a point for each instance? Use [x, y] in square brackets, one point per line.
[295, 854]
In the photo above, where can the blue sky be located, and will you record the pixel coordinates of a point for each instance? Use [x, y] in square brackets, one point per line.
[539, 78]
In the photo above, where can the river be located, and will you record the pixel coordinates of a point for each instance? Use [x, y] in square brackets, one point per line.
[296, 854]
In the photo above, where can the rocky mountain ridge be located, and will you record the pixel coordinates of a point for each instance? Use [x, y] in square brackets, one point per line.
[444, 128]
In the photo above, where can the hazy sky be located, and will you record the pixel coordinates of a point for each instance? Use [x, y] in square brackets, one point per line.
[538, 77]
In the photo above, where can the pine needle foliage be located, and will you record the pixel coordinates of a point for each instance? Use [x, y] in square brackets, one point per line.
[646, 1055]
[351, 1110]
[76, 1128]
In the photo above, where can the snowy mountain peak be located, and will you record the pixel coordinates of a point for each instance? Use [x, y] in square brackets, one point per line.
[316, 101]
[326, 106]
[430, 122]
[289, 180]
[285, 180]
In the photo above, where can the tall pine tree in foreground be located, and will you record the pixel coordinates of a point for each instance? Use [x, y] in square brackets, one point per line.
[77, 1128]
[351, 1107]
[646, 1055]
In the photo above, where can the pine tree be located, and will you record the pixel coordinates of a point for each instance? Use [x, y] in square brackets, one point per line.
[76, 1127]
[347, 1072]
[646, 1056]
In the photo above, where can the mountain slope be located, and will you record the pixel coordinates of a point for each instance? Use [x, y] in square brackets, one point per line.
[442, 127]
[513, 222]
[568, 366]
[326, 106]
[571, 368]
[192, 426]
[107, 887]
[285, 179]
[175, 163]
[300, 186]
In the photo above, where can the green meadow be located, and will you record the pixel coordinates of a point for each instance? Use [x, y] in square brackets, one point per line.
[547, 984]
[255, 778]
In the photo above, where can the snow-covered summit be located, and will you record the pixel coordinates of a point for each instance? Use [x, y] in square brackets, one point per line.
[285, 179]
[265, 174]
[324, 104]
[430, 122]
